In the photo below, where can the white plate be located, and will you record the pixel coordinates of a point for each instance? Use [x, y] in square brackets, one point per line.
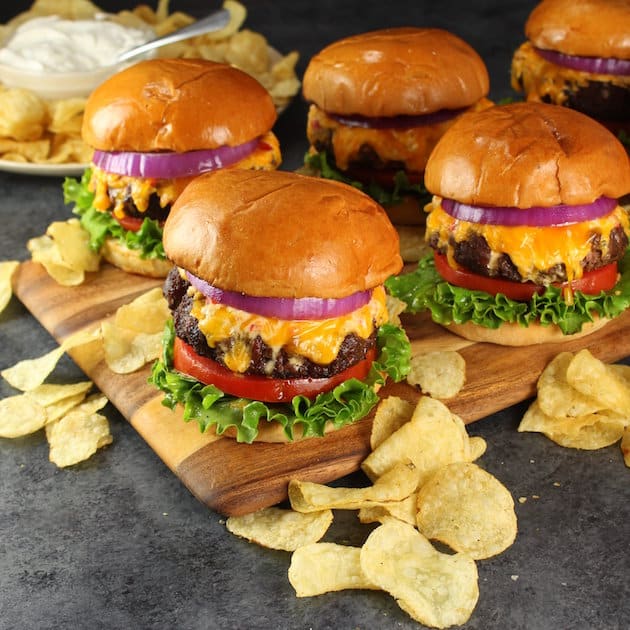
[70, 169]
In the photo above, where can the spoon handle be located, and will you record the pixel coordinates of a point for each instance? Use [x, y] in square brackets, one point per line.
[213, 22]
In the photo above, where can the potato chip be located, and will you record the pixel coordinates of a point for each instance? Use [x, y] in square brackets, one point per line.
[592, 377]
[391, 413]
[134, 337]
[468, 509]
[28, 374]
[66, 115]
[432, 438]
[440, 374]
[394, 485]
[48, 394]
[477, 447]
[77, 436]
[7, 269]
[395, 307]
[625, 446]
[436, 589]
[404, 510]
[556, 397]
[24, 114]
[21, 415]
[276, 528]
[326, 567]
[588, 431]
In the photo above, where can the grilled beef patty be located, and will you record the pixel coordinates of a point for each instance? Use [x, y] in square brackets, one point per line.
[283, 365]
[475, 254]
[154, 210]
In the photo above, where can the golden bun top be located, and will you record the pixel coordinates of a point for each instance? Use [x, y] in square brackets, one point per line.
[396, 71]
[589, 28]
[281, 234]
[176, 105]
[527, 154]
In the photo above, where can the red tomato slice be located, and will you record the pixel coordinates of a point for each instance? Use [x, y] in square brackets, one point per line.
[591, 283]
[132, 224]
[256, 387]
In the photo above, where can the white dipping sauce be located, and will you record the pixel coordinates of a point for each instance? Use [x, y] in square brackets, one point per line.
[52, 44]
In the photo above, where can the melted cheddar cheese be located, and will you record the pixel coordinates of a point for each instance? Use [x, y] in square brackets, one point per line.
[111, 190]
[317, 340]
[410, 146]
[540, 78]
[531, 249]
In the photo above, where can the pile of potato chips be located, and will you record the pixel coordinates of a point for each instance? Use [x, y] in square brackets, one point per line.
[425, 487]
[582, 403]
[74, 429]
[36, 130]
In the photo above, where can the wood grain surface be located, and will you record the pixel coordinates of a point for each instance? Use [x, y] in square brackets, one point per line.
[234, 478]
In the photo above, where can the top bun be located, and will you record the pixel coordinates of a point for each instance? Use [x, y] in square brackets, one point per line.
[527, 154]
[176, 105]
[396, 71]
[589, 28]
[280, 234]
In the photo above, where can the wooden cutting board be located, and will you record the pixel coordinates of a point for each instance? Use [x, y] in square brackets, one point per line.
[234, 478]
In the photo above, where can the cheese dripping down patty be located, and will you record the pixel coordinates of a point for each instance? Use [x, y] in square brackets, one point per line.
[317, 340]
[530, 248]
[111, 190]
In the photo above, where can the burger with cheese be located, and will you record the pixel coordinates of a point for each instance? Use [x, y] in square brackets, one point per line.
[578, 55]
[379, 103]
[155, 126]
[280, 327]
[528, 236]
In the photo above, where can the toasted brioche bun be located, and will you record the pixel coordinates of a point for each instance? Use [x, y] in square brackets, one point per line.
[281, 234]
[546, 155]
[512, 334]
[118, 254]
[416, 71]
[176, 105]
[589, 28]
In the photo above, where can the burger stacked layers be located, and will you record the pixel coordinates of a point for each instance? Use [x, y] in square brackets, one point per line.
[154, 127]
[528, 236]
[379, 103]
[280, 327]
[578, 55]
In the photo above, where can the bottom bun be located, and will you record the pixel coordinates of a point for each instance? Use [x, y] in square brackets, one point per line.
[129, 260]
[510, 334]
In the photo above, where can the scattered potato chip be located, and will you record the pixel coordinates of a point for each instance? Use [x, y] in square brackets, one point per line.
[404, 510]
[134, 337]
[625, 446]
[276, 528]
[49, 394]
[28, 374]
[436, 589]
[468, 509]
[591, 437]
[477, 447]
[7, 269]
[79, 433]
[591, 377]
[394, 485]
[556, 397]
[325, 567]
[395, 307]
[440, 374]
[432, 438]
[21, 415]
[392, 412]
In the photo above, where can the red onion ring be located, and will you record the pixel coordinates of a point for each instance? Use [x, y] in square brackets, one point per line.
[396, 122]
[170, 165]
[283, 308]
[535, 216]
[594, 65]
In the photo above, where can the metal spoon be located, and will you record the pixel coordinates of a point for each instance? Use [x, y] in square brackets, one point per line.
[213, 22]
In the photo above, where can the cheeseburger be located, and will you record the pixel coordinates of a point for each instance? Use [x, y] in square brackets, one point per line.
[578, 55]
[155, 126]
[528, 236]
[280, 327]
[379, 103]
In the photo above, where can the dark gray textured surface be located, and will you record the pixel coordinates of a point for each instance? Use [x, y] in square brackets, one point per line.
[118, 542]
